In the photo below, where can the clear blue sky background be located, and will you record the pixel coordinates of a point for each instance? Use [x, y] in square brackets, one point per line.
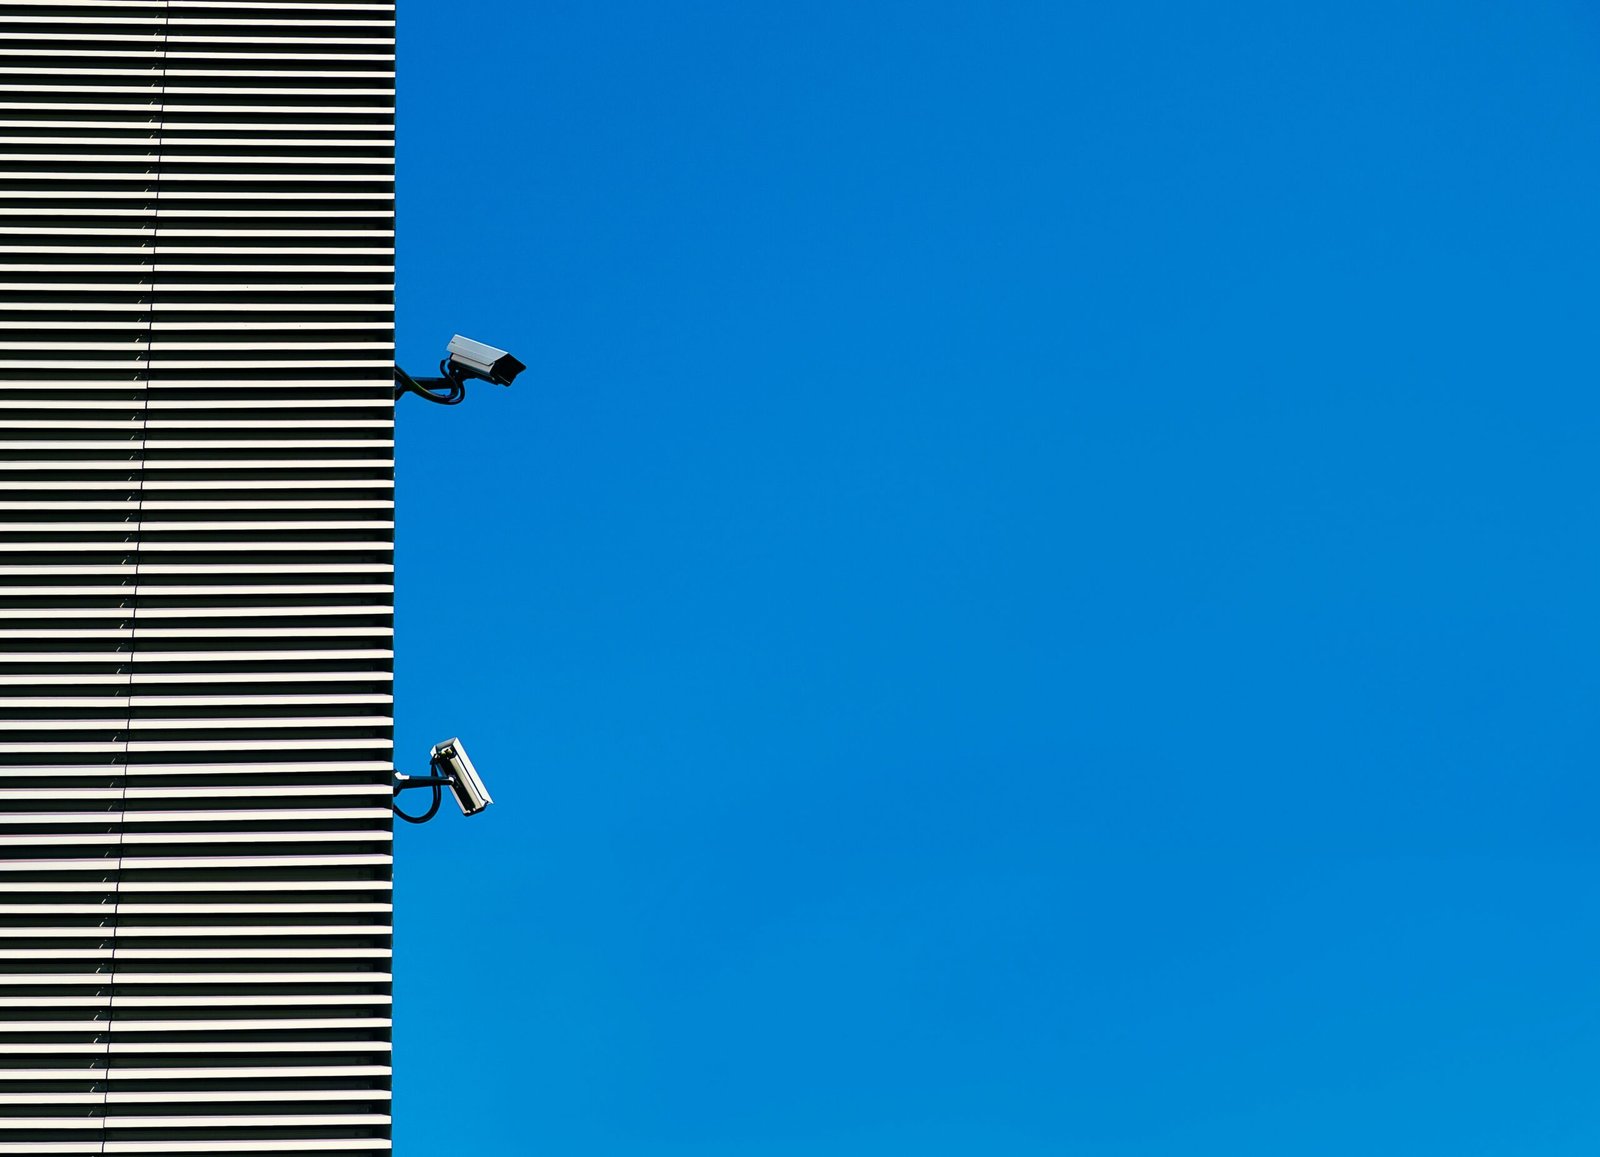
[1038, 595]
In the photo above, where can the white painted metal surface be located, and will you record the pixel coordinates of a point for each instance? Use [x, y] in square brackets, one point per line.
[196, 496]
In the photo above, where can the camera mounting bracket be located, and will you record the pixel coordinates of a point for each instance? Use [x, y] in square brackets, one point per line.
[438, 783]
[453, 381]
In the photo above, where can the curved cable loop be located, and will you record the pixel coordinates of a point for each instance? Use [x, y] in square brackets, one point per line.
[437, 781]
[410, 385]
[433, 808]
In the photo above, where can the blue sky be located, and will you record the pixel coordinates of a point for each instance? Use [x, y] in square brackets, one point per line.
[1037, 595]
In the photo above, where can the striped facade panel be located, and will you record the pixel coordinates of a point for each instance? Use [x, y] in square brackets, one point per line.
[196, 504]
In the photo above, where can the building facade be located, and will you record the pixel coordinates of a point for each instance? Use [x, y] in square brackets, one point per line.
[196, 502]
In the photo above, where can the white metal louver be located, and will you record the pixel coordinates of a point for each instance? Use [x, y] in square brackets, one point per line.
[196, 503]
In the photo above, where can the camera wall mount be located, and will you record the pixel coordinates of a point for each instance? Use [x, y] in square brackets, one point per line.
[451, 768]
[464, 361]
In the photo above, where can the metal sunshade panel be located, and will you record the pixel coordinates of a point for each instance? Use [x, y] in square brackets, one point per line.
[196, 503]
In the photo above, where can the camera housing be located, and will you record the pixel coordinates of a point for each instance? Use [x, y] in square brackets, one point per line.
[479, 360]
[450, 759]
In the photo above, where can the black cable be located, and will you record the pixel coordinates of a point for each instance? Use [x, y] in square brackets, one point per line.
[433, 808]
[438, 780]
[410, 385]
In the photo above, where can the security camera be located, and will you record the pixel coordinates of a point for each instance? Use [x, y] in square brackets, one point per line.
[466, 360]
[451, 769]
[475, 359]
[450, 758]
